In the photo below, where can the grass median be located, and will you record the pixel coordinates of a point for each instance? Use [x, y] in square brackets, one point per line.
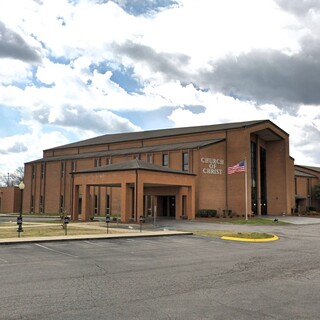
[9, 230]
[234, 234]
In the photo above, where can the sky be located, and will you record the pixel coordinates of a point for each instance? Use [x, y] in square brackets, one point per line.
[76, 69]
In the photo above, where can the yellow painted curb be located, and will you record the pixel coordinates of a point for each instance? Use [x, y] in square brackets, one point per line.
[274, 238]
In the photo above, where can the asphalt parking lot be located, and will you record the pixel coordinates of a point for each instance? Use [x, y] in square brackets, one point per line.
[177, 277]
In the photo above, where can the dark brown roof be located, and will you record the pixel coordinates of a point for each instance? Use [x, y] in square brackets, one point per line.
[298, 173]
[157, 148]
[315, 169]
[149, 134]
[134, 164]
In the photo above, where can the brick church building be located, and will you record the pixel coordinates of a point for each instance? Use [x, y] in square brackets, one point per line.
[166, 173]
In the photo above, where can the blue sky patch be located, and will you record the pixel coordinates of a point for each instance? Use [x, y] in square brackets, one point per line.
[10, 125]
[124, 77]
[149, 120]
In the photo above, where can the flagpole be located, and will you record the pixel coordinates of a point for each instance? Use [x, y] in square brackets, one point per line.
[246, 185]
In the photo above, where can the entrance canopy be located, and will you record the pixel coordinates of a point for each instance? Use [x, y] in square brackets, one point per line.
[135, 178]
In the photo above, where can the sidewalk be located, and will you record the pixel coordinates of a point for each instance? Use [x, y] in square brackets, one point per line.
[294, 219]
[131, 234]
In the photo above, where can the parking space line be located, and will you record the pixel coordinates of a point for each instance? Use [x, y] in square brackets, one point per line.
[57, 251]
[95, 244]
[3, 260]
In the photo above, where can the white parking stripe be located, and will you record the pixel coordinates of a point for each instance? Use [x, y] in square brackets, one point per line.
[64, 253]
[3, 260]
[95, 244]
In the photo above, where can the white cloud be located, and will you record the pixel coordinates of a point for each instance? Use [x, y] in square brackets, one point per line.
[14, 71]
[11, 158]
[219, 109]
[209, 29]
[164, 51]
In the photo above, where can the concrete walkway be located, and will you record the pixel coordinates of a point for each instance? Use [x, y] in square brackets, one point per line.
[294, 219]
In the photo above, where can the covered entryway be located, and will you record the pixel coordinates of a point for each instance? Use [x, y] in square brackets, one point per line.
[173, 189]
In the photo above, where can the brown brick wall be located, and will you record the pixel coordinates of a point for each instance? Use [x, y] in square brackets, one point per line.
[10, 199]
[211, 177]
[277, 171]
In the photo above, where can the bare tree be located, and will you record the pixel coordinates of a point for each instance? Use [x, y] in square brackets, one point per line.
[5, 180]
[12, 179]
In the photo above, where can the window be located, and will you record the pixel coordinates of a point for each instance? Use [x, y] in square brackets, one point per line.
[149, 158]
[62, 169]
[165, 160]
[108, 211]
[149, 205]
[108, 161]
[254, 175]
[33, 172]
[73, 166]
[61, 204]
[136, 156]
[42, 170]
[96, 204]
[308, 192]
[41, 204]
[32, 204]
[185, 161]
[97, 162]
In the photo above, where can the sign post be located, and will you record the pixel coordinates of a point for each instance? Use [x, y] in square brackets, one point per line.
[65, 222]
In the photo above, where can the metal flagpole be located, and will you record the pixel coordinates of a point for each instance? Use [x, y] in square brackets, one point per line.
[246, 186]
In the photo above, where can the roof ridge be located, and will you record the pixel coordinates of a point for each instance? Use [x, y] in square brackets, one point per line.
[150, 134]
[132, 164]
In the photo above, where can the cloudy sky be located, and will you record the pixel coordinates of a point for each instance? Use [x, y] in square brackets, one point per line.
[75, 69]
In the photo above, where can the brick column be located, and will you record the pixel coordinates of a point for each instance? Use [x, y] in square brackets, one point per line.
[179, 203]
[75, 201]
[125, 194]
[85, 202]
[140, 198]
[191, 206]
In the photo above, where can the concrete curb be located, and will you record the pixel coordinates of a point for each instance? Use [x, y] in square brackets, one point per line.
[274, 238]
[7, 241]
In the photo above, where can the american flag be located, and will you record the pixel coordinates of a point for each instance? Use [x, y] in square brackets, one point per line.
[239, 167]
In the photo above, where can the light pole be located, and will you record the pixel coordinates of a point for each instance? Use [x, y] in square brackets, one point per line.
[19, 219]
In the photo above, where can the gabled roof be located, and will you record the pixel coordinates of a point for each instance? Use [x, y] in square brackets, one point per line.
[315, 169]
[157, 148]
[298, 173]
[134, 164]
[150, 134]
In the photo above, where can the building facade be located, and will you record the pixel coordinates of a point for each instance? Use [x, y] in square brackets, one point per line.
[307, 189]
[166, 173]
[10, 199]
